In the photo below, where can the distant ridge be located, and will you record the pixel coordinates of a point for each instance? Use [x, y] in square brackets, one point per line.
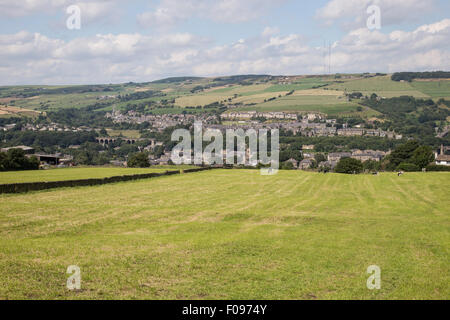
[176, 79]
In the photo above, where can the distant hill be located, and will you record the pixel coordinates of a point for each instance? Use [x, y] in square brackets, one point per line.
[177, 79]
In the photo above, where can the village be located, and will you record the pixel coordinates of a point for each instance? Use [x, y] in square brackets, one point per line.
[309, 124]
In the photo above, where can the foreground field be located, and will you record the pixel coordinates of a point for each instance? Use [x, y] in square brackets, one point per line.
[74, 174]
[231, 234]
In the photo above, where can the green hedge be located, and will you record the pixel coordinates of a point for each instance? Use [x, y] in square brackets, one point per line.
[434, 167]
[37, 186]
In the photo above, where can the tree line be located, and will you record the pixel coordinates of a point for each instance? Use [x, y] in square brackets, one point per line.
[410, 76]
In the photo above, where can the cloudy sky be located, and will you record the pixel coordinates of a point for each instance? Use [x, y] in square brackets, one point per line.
[145, 40]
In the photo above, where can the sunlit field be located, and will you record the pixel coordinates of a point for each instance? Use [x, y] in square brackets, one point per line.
[77, 173]
[231, 234]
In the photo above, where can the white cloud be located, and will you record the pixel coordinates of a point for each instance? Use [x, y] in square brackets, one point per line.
[270, 31]
[352, 13]
[104, 58]
[171, 12]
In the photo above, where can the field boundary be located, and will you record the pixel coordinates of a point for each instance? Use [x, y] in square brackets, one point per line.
[38, 186]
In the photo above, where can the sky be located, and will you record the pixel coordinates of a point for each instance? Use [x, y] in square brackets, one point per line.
[119, 41]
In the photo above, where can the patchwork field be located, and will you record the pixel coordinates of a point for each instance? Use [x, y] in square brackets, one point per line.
[248, 94]
[173, 96]
[74, 174]
[220, 95]
[231, 234]
[6, 111]
[383, 86]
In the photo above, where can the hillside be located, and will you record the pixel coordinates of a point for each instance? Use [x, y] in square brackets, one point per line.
[231, 234]
[324, 93]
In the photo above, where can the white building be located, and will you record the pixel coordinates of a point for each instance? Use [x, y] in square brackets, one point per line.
[442, 159]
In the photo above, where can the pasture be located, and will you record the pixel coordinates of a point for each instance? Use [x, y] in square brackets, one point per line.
[381, 85]
[329, 102]
[231, 234]
[435, 89]
[75, 173]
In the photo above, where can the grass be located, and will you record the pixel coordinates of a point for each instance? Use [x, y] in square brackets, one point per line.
[381, 85]
[15, 111]
[326, 101]
[74, 174]
[131, 134]
[231, 234]
[435, 89]
[219, 95]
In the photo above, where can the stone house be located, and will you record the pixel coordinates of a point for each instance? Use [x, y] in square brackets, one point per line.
[305, 164]
[336, 156]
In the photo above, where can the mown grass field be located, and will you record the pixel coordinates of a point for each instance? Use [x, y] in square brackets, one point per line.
[326, 101]
[75, 173]
[131, 134]
[328, 104]
[435, 89]
[381, 85]
[231, 234]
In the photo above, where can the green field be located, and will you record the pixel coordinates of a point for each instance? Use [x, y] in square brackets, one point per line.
[435, 89]
[75, 174]
[328, 104]
[221, 94]
[131, 134]
[381, 85]
[256, 93]
[231, 234]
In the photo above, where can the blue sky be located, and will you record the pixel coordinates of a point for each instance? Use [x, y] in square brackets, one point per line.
[141, 40]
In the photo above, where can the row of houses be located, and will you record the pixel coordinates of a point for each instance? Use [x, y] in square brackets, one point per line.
[355, 132]
[309, 129]
[256, 114]
[334, 157]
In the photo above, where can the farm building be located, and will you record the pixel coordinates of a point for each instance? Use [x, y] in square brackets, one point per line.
[51, 159]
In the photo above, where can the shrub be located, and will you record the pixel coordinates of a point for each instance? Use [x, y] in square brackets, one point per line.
[435, 167]
[138, 160]
[372, 165]
[408, 167]
[287, 166]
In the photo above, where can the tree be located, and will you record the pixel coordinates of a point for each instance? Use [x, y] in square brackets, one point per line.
[138, 160]
[402, 153]
[320, 157]
[422, 156]
[349, 166]
[103, 132]
[371, 165]
[15, 160]
[287, 166]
